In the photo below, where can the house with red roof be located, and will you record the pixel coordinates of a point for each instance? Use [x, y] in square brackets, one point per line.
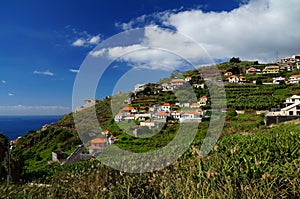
[203, 101]
[166, 107]
[97, 145]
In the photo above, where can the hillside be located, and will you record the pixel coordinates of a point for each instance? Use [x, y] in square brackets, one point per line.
[250, 160]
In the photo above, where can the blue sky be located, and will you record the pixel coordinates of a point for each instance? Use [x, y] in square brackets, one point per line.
[44, 43]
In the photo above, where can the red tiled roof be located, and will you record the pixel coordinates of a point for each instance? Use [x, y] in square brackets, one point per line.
[192, 112]
[98, 140]
[127, 108]
[166, 104]
[162, 113]
[177, 80]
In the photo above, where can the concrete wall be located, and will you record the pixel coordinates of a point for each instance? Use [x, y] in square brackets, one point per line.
[276, 119]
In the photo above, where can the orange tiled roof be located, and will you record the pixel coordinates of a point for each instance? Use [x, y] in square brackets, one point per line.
[98, 140]
[166, 104]
[193, 112]
[127, 108]
[162, 113]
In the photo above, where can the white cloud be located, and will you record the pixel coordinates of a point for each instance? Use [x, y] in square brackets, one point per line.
[255, 31]
[86, 40]
[43, 73]
[94, 39]
[11, 94]
[160, 49]
[34, 110]
[74, 70]
[3, 81]
[78, 42]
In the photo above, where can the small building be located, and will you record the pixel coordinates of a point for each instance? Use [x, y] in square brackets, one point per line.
[203, 101]
[127, 110]
[198, 86]
[176, 114]
[294, 79]
[119, 117]
[228, 73]
[147, 123]
[271, 69]
[162, 115]
[242, 79]
[166, 107]
[167, 87]
[292, 100]
[177, 82]
[291, 110]
[139, 87]
[277, 80]
[253, 71]
[97, 145]
[195, 105]
[187, 78]
[233, 79]
[287, 60]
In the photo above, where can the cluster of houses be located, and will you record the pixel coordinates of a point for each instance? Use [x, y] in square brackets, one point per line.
[160, 113]
[284, 64]
[170, 86]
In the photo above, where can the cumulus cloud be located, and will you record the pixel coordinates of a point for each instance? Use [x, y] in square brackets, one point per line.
[11, 94]
[74, 70]
[160, 49]
[86, 40]
[3, 81]
[256, 30]
[78, 42]
[43, 73]
[34, 110]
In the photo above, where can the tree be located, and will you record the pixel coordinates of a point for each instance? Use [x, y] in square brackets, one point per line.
[259, 81]
[235, 60]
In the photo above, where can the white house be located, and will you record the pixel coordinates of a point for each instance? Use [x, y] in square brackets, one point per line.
[291, 110]
[271, 69]
[139, 87]
[162, 115]
[119, 117]
[176, 114]
[253, 71]
[191, 116]
[203, 101]
[228, 73]
[187, 78]
[167, 87]
[147, 123]
[177, 82]
[277, 80]
[166, 107]
[233, 79]
[294, 79]
[292, 100]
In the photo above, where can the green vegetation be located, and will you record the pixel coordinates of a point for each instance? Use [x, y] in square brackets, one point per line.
[250, 160]
[261, 164]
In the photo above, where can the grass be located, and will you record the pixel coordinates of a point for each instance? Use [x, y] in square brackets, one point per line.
[264, 163]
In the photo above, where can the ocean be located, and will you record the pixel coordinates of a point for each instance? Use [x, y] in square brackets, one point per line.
[15, 126]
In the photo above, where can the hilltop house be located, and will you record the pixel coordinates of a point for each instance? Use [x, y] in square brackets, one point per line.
[228, 73]
[203, 101]
[139, 87]
[167, 87]
[191, 116]
[292, 100]
[252, 71]
[294, 79]
[242, 79]
[291, 110]
[287, 60]
[162, 115]
[187, 78]
[277, 80]
[166, 107]
[195, 105]
[177, 82]
[271, 69]
[176, 114]
[97, 145]
[233, 79]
